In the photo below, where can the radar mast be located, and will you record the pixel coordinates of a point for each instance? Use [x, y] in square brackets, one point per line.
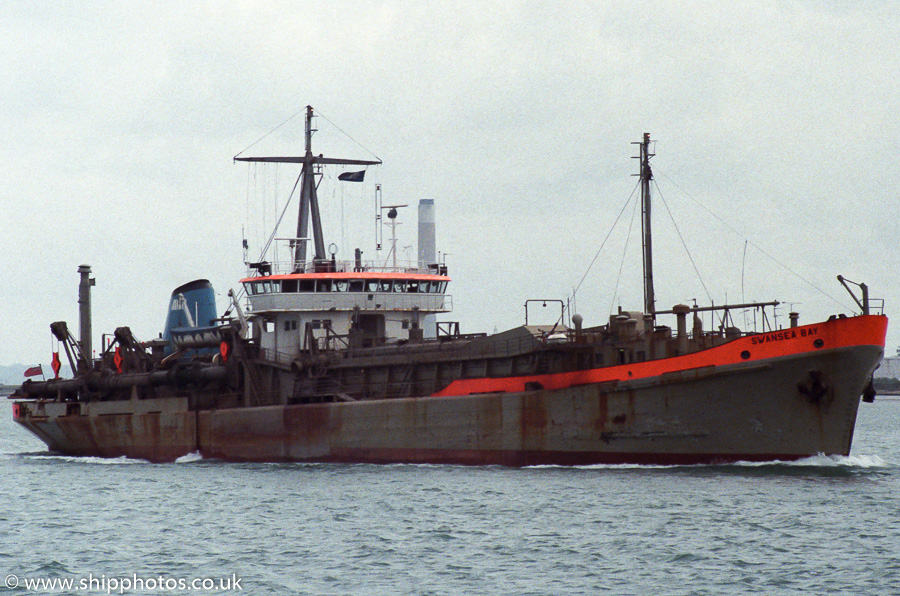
[309, 201]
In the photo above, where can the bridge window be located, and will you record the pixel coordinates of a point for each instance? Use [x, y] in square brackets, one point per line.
[370, 286]
[320, 324]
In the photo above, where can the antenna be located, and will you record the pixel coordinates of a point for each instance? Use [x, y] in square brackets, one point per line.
[392, 216]
[378, 234]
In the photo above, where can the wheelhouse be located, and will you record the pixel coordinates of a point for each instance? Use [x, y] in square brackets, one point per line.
[308, 311]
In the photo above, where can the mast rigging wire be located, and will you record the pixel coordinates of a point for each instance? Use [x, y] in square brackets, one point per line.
[346, 134]
[624, 252]
[756, 246]
[270, 132]
[280, 217]
[713, 314]
[608, 234]
[683, 243]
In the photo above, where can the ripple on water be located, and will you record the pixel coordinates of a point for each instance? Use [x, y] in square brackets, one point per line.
[812, 526]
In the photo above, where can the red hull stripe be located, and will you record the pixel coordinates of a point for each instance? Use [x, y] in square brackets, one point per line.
[351, 275]
[837, 333]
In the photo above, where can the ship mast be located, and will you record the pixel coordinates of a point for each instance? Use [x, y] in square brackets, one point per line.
[646, 175]
[309, 201]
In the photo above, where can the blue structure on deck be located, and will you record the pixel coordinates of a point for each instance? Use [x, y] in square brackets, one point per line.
[192, 310]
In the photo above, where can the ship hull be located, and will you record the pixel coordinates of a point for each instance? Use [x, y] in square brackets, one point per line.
[332, 365]
[747, 411]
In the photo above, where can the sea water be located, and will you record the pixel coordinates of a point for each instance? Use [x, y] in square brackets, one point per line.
[95, 526]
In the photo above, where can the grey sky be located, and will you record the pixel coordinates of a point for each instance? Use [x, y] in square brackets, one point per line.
[120, 120]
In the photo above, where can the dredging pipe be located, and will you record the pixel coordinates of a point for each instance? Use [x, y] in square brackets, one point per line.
[107, 381]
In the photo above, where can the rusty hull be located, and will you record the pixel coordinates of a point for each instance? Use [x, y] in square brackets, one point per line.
[747, 411]
[157, 430]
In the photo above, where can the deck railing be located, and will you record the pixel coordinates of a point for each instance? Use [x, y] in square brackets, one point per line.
[286, 266]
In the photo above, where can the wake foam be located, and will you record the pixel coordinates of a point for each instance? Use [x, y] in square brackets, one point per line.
[190, 458]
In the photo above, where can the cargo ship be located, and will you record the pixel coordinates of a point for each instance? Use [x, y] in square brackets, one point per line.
[321, 360]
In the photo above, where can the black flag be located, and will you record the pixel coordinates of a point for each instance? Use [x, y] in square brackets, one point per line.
[353, 176]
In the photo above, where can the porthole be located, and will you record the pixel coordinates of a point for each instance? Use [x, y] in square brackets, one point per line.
[745, 354]
[819, 343]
